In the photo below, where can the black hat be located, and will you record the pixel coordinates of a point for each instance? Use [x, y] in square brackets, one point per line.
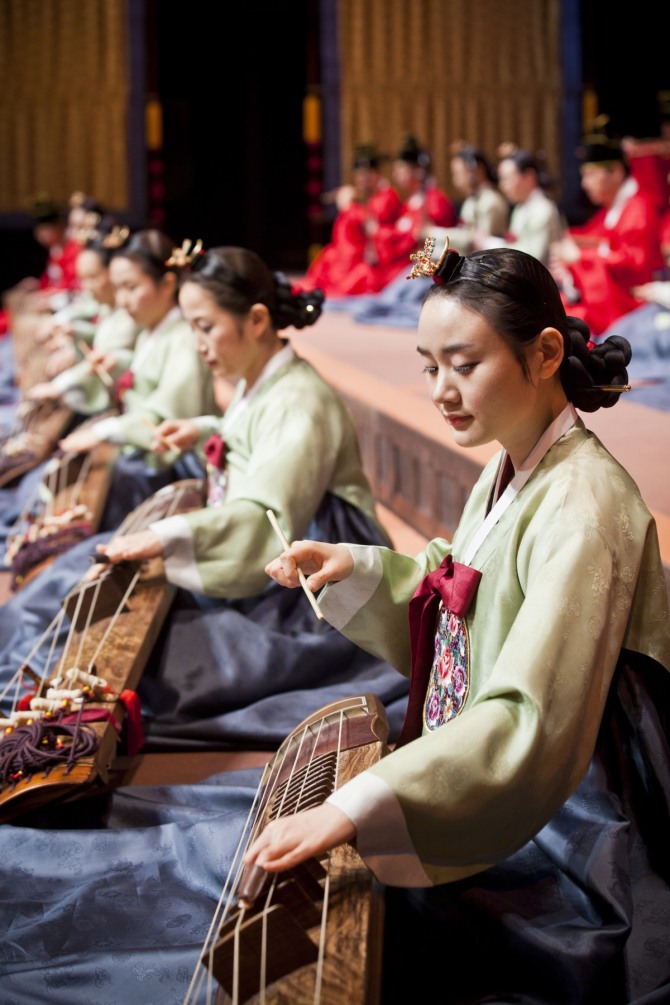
[366, 155]
[598, 147]
[43, 209]
[412, 153]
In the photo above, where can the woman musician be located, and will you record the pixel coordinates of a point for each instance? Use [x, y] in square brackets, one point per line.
[522, 817]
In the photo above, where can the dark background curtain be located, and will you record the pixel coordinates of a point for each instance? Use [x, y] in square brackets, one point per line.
[249, 122]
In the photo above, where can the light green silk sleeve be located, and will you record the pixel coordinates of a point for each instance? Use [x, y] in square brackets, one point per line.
[82, 389]
[286, 464]
[292, 444]
[173, 382]
[397, 578]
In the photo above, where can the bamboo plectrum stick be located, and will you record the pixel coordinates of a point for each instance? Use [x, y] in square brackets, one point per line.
[161, 439]
[303, 582]
[97, 368]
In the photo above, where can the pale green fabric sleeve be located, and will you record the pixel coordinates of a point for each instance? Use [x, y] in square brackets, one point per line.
[173, 383]
[288, 471]
[378, 593]
[535, 225]
[82, 389]
[488, 212]
[476, 789]
[83, 308]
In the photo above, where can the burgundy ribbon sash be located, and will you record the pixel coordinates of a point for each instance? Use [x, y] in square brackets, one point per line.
[125, 382]
[215, 451]
[456, 586]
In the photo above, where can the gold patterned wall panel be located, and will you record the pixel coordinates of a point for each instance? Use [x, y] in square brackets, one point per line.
[486, 71]
[63, 100]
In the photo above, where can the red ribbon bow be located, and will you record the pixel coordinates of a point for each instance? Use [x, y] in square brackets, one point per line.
[124, 383]
[456, 586]
[215, 451]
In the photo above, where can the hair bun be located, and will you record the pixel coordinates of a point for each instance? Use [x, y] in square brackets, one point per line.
[592, 378]
[296, 307]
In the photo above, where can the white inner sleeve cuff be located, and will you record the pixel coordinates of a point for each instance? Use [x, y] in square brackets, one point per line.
[65, 379]
[179, 561]
[382, 838]
[206, 425]
[109, 430]
[340, 601]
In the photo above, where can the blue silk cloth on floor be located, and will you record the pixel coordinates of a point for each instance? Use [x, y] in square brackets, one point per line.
[648, 331]
[398, 305]
[111, 903]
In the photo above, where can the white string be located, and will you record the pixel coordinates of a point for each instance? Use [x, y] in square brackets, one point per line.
[114, 619]
[81, 479]
[253, 824]
[84, 633]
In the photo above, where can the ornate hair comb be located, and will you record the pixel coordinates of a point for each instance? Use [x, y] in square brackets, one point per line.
[506, 149]
[181, 257]
[424, 266]
[116, 238]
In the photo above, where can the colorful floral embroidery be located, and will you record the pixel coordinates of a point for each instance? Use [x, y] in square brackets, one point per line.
[450, 674]
[217, 483]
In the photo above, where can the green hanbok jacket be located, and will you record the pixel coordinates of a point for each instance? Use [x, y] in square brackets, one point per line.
[293, 443]
[571, 574]
[170, 381]
[81, 388]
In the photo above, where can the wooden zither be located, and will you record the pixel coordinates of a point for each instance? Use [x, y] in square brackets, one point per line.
[311, 934]
[38, 425]
[74, 693]
[32, 439]
[67, 507]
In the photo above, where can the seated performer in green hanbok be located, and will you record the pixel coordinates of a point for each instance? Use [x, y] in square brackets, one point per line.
[166, 378]
[529, 788]
[94, 341]
[101, 335]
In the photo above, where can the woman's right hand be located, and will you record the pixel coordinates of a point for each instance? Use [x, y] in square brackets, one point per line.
[100, 358]
[320, 563]
[44, 392]
[175, 434]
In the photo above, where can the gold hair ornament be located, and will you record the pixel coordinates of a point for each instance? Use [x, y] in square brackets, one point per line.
[424, 266]
[181, 257]
[615, 388]
[116, 238]
[506, 149]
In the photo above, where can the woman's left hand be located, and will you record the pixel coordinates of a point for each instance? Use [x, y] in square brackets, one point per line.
[132, 547]
[287, 841]
[80, 441]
